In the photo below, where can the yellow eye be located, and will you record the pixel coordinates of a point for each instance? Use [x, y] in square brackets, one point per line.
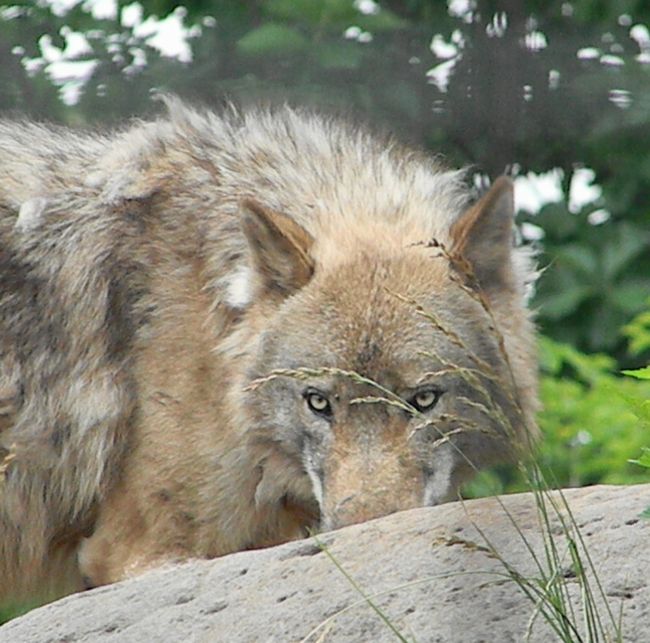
[426, 399]
[318, 403]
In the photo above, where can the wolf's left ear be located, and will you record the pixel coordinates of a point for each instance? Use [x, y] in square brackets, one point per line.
[483, 236]
[279, 248]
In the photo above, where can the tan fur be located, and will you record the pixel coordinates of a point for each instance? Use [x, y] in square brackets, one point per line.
[173, 296]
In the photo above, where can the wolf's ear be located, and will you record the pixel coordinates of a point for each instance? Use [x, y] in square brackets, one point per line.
[483, 236]
[279, 248]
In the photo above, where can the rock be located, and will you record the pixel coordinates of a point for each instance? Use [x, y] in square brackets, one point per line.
[428, 570]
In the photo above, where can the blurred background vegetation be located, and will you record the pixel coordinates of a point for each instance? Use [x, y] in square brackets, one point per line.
[557, 89]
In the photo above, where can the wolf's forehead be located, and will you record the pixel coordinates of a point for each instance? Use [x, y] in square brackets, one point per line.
[372, 332]
[375, 305]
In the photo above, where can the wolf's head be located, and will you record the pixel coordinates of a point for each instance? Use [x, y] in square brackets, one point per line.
[387, 374]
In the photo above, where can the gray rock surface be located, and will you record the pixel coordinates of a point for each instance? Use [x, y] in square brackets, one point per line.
[429, 570]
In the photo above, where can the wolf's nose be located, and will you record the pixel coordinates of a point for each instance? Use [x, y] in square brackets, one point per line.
[354, 509]
[344, 502]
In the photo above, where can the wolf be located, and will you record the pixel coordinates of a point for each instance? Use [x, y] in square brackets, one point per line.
[219, 331]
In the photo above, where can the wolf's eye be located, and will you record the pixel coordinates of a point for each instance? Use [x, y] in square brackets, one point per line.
[318, 403]
[425, 399]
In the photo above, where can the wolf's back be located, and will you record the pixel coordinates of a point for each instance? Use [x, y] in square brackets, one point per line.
[37, 160]
[65, 327]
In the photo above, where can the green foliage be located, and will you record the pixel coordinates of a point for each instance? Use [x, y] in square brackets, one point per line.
[592, 285]
[638, 332]
[590, 422]
[641, 408]
[593, 423]
[272, 39]
[644, 459]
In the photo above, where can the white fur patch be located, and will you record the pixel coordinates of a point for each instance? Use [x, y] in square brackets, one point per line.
[93, 403]
[438, 486]
[239, 288]
[314, 478]
[316, 483]
[95, 180]
[30, 213]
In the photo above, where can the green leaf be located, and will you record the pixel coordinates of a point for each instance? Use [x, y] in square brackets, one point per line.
[644, 460]
[563, 303]
[638, 332]
[581, 258]
[383, 20]
[628, 295]
[639, 373]
[339, 56]
[628, 243]
[272, 39]
[638, 406]
[604, 331]
[331, 13]
[295, 10]
[338, 11]
[551, 355]
[589, 368]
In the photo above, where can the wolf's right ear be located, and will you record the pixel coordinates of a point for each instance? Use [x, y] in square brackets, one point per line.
[279, 248]
[483, 236]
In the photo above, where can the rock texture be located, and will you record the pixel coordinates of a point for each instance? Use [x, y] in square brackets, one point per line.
[429, 570]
